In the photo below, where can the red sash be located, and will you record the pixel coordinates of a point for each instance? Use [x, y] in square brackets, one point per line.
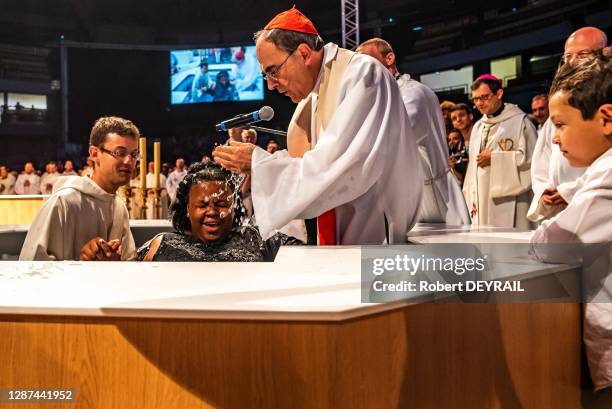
[326, 228]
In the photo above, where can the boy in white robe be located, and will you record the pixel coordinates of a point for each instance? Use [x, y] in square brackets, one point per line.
[84, 218]
[581, 111]
[553, 179]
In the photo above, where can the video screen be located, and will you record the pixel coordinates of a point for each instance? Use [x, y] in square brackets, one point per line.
[215, 75]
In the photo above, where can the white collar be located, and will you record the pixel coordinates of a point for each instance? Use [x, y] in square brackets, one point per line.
[329, 53]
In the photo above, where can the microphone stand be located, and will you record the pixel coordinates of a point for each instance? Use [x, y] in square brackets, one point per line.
[266, 130]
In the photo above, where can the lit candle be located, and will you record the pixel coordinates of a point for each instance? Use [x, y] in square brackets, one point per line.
[156, 162]
[143, 162]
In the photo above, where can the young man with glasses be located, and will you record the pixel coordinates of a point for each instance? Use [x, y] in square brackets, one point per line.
[351, 160]
[84, 218]
[497, 185]
[553, 179]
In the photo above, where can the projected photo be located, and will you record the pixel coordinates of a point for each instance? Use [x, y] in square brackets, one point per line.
[215, 74]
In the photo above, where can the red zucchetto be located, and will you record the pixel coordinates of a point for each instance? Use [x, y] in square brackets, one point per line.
[488, 77]
[292, 20]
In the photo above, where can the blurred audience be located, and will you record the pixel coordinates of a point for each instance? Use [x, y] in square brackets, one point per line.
[28, 182]
[7, 181]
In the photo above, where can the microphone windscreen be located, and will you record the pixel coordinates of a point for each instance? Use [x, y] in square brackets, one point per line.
[266, 113]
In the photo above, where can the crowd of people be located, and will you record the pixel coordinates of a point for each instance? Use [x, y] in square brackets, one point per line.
[370, 152]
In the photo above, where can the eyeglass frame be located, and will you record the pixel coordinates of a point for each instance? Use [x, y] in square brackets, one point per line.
[134, 155]
[482, 98]
[272, 74]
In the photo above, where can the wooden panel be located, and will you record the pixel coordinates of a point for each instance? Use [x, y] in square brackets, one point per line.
[422, 356]
[19, 210]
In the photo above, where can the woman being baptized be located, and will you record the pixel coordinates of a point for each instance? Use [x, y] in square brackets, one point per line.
[206, 217]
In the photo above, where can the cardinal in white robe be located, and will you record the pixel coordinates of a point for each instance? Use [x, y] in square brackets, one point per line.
[359, 173]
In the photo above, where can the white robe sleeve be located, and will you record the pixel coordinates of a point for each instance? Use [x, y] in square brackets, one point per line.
[585, 220]
[346, 162]
[46, 236]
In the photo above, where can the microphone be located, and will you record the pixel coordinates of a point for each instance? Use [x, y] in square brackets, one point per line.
[264, 114]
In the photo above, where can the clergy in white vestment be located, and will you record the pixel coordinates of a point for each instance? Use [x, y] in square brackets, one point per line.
[553, 179]
[7, 182]
[28, 182]
[443, 200]
[351, 160]
[84, 218]
[175, 178]
[581, 111]
[49, 178]
[497, 185]
[164, 204]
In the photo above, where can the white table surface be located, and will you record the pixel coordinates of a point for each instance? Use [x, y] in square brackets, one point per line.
[304, 283]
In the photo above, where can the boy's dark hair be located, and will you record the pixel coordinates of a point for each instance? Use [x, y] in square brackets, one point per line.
[588, 84]
[493, 84]
[112, 124]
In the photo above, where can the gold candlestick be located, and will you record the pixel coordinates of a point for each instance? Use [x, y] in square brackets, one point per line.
[156, 170]
[143, 176]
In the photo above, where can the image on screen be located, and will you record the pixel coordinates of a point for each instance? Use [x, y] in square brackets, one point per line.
[215, 75]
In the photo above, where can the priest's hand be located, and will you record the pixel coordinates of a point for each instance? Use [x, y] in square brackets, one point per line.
[484, 158]
[236, 157]
[98, 249]
[552, 197]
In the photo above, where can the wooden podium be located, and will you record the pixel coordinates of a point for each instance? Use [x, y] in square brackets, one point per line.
[288, 334]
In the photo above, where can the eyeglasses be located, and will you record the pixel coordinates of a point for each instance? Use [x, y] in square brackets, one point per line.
[121, 154]
[482, 98]
[272, 72]
[580, 55]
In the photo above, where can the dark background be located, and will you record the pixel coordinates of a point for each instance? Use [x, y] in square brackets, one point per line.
[118, 58]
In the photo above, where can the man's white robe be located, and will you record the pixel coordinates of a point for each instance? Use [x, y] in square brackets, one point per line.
[33, 189]
[78, 211]
[173, 181]
[47, 180]
[364, 164]
[9, 185]
[443, 201]
[587, 220]
[501, 192]
[550, 170]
